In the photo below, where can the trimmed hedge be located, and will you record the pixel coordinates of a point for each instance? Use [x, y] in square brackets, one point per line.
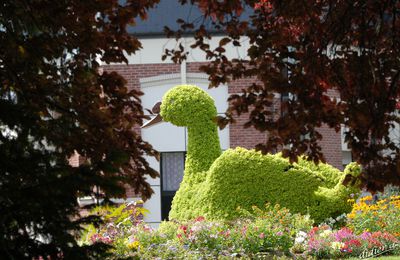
[190, 106]
[215, 184]
[243, 178]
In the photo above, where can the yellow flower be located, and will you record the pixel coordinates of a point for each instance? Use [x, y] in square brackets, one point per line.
[351, 215]
[133, 245]
[366, 198]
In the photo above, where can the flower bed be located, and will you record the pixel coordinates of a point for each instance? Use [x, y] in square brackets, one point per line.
[322, 242]
[268, 232]
[382, 215]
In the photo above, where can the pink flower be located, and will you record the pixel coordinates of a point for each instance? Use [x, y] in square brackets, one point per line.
[262, 235]
[244, 230]
[343, 233]
[147, 228]
[365, 235]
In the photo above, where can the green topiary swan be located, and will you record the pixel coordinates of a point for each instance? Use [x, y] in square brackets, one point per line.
[215, 185]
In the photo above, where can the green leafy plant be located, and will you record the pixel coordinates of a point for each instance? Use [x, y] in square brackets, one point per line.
[118, 224]
[215, 184]
[190, 106]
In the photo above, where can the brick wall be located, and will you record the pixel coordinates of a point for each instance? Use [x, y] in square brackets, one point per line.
[132, 73]
[331, 146]
[332, 141]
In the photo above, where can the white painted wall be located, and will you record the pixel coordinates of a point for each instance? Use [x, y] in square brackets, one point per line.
[343, 130]
[153, 49]
[395, 130]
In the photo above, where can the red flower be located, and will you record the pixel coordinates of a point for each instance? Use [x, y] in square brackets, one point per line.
[354, 242]
[199, 219]
[346, 248]
[184, 229]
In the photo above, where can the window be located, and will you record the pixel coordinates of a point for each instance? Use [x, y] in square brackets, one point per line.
[172, 167]
[346, 158]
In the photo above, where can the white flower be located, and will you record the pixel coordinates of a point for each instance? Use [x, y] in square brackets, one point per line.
[302, 234]
[299, 240]
[326, 233]
[337, 245]
[300, 237]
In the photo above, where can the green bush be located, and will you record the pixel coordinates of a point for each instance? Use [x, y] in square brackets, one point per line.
[245, 178]
[215, 184]
[190, 106]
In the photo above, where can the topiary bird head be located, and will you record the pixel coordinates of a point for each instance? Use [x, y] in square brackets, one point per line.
[185, 105]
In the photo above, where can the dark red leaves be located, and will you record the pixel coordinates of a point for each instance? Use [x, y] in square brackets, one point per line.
[335, 61]
[55, 95]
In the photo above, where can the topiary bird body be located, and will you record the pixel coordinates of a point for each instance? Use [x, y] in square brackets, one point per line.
[215, 184]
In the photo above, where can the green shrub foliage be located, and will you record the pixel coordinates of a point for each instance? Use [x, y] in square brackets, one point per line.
[192, 107]
[215, 184]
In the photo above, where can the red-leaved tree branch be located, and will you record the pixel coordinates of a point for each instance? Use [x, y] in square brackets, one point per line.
[311, 51]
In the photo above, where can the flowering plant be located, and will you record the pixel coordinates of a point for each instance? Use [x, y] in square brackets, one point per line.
[268, 232]
[382, 215]
[118, 223]
[325, 243]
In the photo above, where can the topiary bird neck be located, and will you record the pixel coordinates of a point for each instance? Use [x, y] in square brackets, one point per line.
[203, 147]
